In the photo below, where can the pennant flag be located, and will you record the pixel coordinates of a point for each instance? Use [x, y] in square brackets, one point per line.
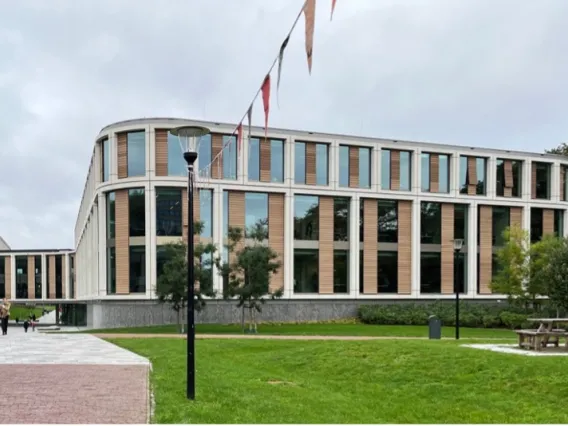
[332, 8]
[239, 137]
[249, 117]
[310, 15]
[266, 101]
[280, 58]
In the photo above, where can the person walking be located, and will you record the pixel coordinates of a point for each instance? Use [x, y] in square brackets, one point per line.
[26, 325]
[5, 316]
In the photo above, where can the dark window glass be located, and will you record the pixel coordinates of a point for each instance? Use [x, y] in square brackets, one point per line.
[47, 273]
[341, 271]
[21, 277]
[495, 265]
[229, 157]
[37, 272]
[177, 165]
[501, 221]
[430, 272]
[276, 160]
[564, 188]
[58, 277]
[110, 207]
[537, 229]
[203, 156]
[206, 212]
[385, 169]
[343, 165]
[300, 163]
[71, 277]
[517, 178]
[306, 271]
[341, 219]
[161, 260]
[480, 166]
[105, 152]
[542, 180]
[461, 221]
[364, 167]
[136, 152]
[516, 167]
[306, 217]
[136, 212]
[225, 214]
[361, 219]
[256, 211]
[466, 179]
[111, 270]
[387, 226]
[463, 174]
[500, 178]
[137, 269]
[430, 223]
[461, 272]
[3, 260]
[559, 223]
[254, 159]
[168, 212]
[206, 281]
[387, 280]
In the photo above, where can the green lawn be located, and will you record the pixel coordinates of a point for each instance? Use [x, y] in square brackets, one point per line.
[387, 381]
[22, 312]
[323, 330]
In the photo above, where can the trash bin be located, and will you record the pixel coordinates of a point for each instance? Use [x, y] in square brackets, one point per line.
[434, 327]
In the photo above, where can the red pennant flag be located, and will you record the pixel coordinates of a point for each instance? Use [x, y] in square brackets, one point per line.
[332, 8]
[266, 101]
[310, 15]
[249, 117]
[239, 137]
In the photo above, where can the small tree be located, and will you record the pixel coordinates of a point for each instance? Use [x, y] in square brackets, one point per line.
[539, 260]
[172, 282]
[555, 274]
[248, 275]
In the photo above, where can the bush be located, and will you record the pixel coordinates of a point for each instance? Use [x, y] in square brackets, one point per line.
[513, 320]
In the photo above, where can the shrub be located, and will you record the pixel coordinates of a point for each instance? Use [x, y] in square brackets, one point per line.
[513, 320]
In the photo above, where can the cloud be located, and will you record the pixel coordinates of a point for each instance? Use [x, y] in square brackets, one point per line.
[467, 72]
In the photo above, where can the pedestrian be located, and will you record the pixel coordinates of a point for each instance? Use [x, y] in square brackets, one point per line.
[5, 316]
[33, 322]
[26, 325]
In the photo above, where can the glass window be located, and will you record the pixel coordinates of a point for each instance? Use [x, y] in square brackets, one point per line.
[137, 269]
[387, 279]
[204, 155]
[430, 223]
[565, 185]
[229, 157]
[501, 221]
[206, 212]
[306, 217]
[110, 215]
[364, 167]
[306, 271]
[542, 180]
[559, 223]
[343, 165]
[461, 274]
[136, 212]
[136, 152]
[385, 169]
[111, 270]
[225, 214]
[500, 177]
[341, 219]
[341, 271]
[176, 163]
[444, 173]
[105, 151]
[168, 212]
[37, 272]
[254, 160]
[461, 221]
[405, 170]
[430, 272]
[256, 212]
[58, 277]
[480, 170]
[321, 164]
[537, 229]
[463, 174]
[277, 160]
[3, 276]
[425, 172]
[517, 178]
[387, 226]
[481, 176]
[161, 260]
[21, 277]
[47, 273]
[300, 162]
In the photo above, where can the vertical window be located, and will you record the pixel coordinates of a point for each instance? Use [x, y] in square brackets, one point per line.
[564, 188]
[341, 219]
[225, 214]
[176, 163]
[229, 157]
[341, 271]
[277, 161]
[430, 223]
[480, 178]
[481, 175]
[517, 178]
[21, 277]
[559, 223]
[300, 163]
[37, 278]
[306, 270]
[463, 174]
[71, 277]
[387, 226]
[405, 170]
[306, 217]
[206, 212]
[542, 180]
[385, 169]
[3, 276]
[161, 260]
[430, 272]
[137, 269]
[537, 228]
[110, 215]
[254, 160]
[321, 164]
[204, 155]
[343, 165]
[58, 277]
[500, 177]
[501, 221]
[444, 173]
[168, 212]
[364, 167]
[256, 213]
[105, 152]
[461, 221]
[136, 151]
[136, 212]
[47, 273]
[388, 272]
[425, 172]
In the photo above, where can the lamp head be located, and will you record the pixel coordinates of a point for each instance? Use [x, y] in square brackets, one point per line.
[458, 244]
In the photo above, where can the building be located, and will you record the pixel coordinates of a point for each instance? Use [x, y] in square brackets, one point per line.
[3, 244]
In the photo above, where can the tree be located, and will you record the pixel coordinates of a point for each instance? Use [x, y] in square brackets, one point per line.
[561, 149]
[247, 275]
[172, 282]
[539, 259]
[555, 273]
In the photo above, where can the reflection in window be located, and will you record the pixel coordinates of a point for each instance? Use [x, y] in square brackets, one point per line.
[461, 221]
[254, 159]
[385, 169]
[206, 212]
[537, 228]
[405, 170]
[161, 260]
[430, 272]
[425, 172]
[430, 223]
[516, 176]
[501, 221]
[306, 271]
[300, 163]
[111, 270]
[276, 160]
[461, 265]
[204, 155]
[177, 165]
[444, 173]
[388, 272]
[110, 215]
[136, 152]
[306, 217]
[364, 167]
[229, 157]
[105, 151]
[481, 176]
[564, 188]
[542, 180]
[341, 219]
[387, 226]
[321, 164]
[136, 212]
[479, 180]
[256, 212]
[343, 165]
[21, 277]
[37, 282]
[206, 279]
[168, 212]
[341, 271]
[137, 269]
[559, 223]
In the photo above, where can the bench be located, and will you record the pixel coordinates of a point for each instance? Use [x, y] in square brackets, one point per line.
[538, 339]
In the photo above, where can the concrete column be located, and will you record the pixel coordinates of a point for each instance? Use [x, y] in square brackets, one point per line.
[491, 177]
[288, 245]
[217, 230]
[555, 182]
[43, 277]
[415, 250]
[333, 161]
[472, 250]
[150, 249]
[527, 183]
[101, 237]
[376, 168]
[289, 162]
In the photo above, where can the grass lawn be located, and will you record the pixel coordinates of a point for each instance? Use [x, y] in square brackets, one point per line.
[387, 381]
[323, 330]
[22, 312]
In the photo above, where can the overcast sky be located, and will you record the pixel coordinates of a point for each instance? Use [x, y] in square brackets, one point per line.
[471, 72]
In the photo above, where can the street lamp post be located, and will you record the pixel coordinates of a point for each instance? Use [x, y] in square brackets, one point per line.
[458, 244]
[188, 137]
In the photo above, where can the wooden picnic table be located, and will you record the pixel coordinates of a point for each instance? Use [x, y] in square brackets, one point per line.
[544, 335]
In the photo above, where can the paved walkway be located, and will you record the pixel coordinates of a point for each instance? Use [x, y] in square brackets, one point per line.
[71, 378]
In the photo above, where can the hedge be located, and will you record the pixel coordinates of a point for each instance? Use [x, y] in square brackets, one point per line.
[471, 314]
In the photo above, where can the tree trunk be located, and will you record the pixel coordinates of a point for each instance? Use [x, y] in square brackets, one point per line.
[243, 319]
[254, 321]
[251, 319]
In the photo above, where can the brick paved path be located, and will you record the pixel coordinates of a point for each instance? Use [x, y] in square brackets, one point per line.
[71, 379]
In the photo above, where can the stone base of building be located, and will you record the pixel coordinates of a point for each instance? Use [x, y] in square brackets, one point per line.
[132, 313]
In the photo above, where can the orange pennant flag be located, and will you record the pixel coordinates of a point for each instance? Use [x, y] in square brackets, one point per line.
[310, 15]
[332, 8]
[266, 101]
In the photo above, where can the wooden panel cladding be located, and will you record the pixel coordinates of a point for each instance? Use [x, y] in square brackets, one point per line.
[161, 148]
[216, 147]
[547, 221]
[562, 183]
[122, 242]
[31, 277]
[370, 237]
[354, 167]
[472, 175]
[8, 276]
[533, 181]
[310, 163]
[485, 249]
[52, 290]
[447, 249]
[516, 216]
[122, 155]
[196, 213]
[508, 184]
[434, 173]
[326, 245]
[276, 236]
[404, 246]
[237, 215]
[265, 160]
[395, 169]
